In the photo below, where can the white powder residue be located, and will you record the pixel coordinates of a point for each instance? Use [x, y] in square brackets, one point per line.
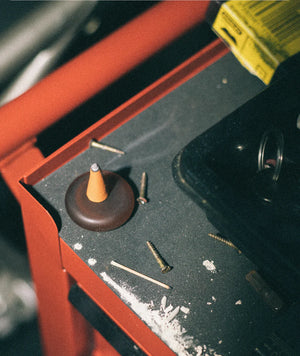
[163, 303]
[92, 261]
[169, 308]
[174, 313]
[162, 321]
[238, 302]
[209, 265]
[213, 300]
[185, 310]
[78, 246]
[205, 351]
[199, 350]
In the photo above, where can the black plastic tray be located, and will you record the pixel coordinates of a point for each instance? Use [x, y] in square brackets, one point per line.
[219, 170]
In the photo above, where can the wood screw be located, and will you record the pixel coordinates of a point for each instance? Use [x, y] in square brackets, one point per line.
[162, 263]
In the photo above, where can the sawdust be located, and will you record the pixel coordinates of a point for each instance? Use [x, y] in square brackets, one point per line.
[164, 321]
[209, 265]
[92, 261]
[77, 246]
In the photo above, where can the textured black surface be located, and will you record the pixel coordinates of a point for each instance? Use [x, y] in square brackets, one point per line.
[220, 172]
[283, 339]
[225, 313]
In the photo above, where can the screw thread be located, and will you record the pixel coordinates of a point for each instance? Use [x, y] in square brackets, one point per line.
[226, 242]
[162, 263]
[143, 185]
[156, 254]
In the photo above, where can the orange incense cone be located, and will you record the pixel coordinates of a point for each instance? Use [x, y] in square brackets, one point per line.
[99, 200]
[96, 190]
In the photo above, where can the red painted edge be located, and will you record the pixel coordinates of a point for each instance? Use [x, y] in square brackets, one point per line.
[128, 110]
[111, 304]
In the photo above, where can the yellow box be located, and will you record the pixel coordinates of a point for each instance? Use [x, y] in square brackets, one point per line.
[261, 34]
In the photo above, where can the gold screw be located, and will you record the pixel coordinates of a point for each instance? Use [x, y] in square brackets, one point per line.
[162, 263]
[226, 242]
[142, 198]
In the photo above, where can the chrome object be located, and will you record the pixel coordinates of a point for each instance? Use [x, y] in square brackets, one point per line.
[279, 141]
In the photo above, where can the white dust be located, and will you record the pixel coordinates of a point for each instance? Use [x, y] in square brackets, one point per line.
[78, 246]
[92, 261]
[209, 265]
[163, 321]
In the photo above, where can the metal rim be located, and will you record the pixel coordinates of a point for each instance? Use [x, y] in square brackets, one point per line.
[279, 140]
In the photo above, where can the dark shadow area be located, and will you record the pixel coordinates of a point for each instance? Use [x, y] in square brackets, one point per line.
[24, 338]
[11, 218]
[125, 173]
[102, 323]
[125, 88]
[24, 341]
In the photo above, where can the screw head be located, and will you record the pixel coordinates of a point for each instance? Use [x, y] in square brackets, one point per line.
[166, 269]
[142, 201]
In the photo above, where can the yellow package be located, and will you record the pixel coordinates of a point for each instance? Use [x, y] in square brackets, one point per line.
[261, 34]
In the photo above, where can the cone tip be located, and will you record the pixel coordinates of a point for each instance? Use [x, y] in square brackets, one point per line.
[95, 167]
[96, 190]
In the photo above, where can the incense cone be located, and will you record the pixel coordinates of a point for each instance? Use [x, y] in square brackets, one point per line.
[99, 200]
[96, 190]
